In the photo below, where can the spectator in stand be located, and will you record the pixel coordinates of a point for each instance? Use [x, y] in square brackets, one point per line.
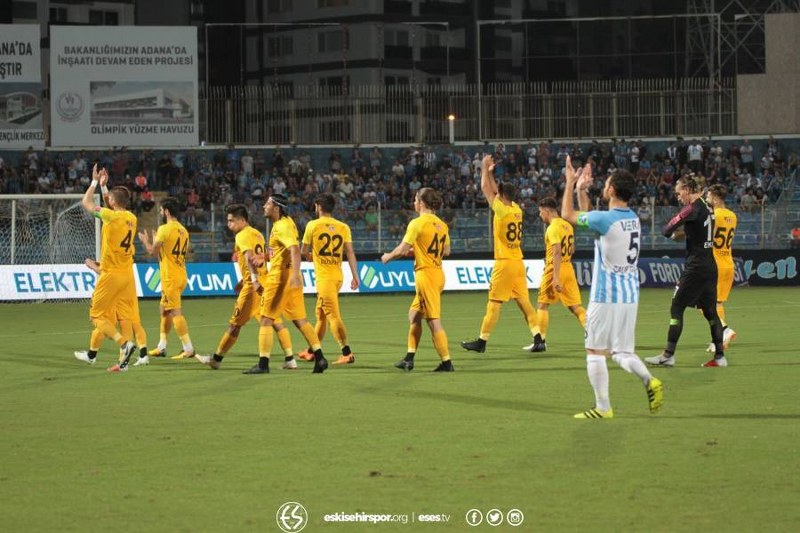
[748, 201]
[794, 237]
[375, 160]
[747, 156]
[248, 163]
[695, 154]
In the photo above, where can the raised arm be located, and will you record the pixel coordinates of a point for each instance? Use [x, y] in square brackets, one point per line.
[568, 212]
[88, 197]
[488, 185]
[585, 181]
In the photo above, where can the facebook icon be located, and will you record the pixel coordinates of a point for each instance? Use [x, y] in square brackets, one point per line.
[474, 517]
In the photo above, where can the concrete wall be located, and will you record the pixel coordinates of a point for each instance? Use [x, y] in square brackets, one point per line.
[770, 103]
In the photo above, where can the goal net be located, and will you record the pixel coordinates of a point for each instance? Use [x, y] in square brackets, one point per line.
[44, 240]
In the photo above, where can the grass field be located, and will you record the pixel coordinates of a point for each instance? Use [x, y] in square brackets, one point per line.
[178, 447]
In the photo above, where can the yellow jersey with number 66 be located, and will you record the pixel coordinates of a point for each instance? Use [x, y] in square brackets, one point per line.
[430, 237]
[507, 225]
[327, 236]
[250, 239]
[724, 231]
[117, 244]
[559, 233]
[174, 241]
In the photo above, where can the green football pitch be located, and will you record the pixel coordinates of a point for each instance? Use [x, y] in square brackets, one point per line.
[175, 446]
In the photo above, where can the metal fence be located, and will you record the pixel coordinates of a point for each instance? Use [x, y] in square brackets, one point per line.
[378, 114]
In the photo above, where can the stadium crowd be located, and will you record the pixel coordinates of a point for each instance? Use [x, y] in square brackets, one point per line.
[364, 177]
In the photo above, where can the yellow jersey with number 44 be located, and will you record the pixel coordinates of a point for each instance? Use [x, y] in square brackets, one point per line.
[174, 241]
[119, 228]
[724, 230]
[327, 236]
[430, 237]
[507, 224]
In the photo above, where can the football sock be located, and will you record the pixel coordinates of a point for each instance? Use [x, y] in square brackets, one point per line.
[530, 315]
[182, 329]
[490, 319]
[675, 330]
[109, 330]
[288, 358]
[318, 355]
[92, 354]
[338, 330]
[440, 343]
[126, 328]
[580, 312]
[322, 322]
[310, 335]
[414, 334]
[140, 334]
[409, 356]
[96, 340]
[544, 321]
[598, 376]
[346, 350]
[630, 362]
[263, 362]
[226, 343]
[285, 340]
[721, 314]
[163, 330]
[716, 331]
[265, 340]
[218, 358]
[143, 351]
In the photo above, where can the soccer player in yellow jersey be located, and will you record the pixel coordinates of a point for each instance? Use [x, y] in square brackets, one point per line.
[116, 279]
[170, 244]
[724, 230]
[249, 251]
[509, 277]
[327, 241]
[558, 279]
[429, 238]
[283, 288]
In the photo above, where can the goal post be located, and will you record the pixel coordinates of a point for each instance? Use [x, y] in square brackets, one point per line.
[44, 240]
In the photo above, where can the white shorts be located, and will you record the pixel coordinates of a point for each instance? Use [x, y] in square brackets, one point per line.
[611, 327]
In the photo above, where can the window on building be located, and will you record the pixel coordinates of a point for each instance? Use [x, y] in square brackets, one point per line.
[58, 15]
[396, 37]
[332, 41]
[280, 46]
[433, 39]
[103, 18]
[334, 81]
[395, 80]
[332, 3]
[279, 6]
[24, 10]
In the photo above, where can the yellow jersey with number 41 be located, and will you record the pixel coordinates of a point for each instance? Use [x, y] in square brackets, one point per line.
[117, 246]
[429, 236]
[507, 225]
[174, 241]
[327, 236]
[724, 230]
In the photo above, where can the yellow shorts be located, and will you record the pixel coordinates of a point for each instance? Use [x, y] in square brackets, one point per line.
[112, 288]
[328, 296]
[570, 295]
[724, 282]
[509, 280]
[429, 286]
[280, 299]
[246, 308]
[171, 294]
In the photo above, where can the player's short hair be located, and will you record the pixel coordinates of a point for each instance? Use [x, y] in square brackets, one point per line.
[326, 201]
[172, 205]
[431, 198]
[693, 182]
[507, 191]
[548, 203]
[121, 195]
[282, 201]
[624, 184]
[238, 211]
[720, 191]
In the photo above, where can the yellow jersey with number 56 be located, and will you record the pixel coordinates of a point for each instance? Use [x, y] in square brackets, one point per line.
[507, 224]
[174, 241]
[724, 230]
[327, 236]
[430, 237]
[117, 246]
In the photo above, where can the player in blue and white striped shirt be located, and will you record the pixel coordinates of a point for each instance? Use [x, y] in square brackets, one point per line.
[614, 300]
